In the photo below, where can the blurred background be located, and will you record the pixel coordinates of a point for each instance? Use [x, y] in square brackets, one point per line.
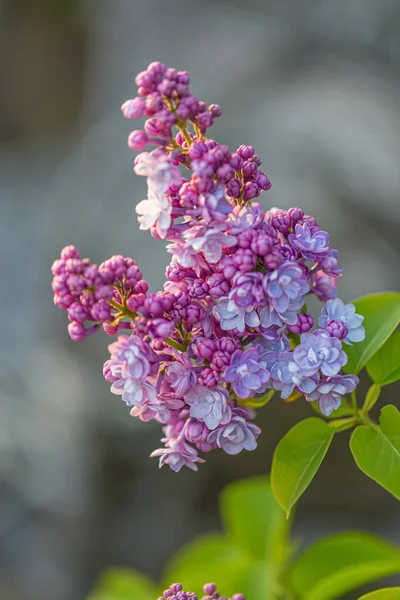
[314, 85]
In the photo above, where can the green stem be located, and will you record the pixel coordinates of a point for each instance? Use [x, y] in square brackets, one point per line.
[343, 424]
[371, 398]
[175, 345]
[369, 423]
[186, 135]
[123, 309]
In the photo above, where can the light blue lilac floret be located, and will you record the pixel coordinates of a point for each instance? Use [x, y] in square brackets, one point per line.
[336, 310]
[319, 351]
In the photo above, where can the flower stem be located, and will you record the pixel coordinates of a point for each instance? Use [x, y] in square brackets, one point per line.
[175, 345]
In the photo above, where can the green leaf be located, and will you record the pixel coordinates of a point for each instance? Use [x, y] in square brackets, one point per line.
[210, 558]
[253, 519]
[381, 316]
[384, 366]
[124, 584]
[377, 450]
[297, 458]
[341, 563]
[384, 594]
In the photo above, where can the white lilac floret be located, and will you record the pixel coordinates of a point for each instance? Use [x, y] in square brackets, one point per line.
[225, 327]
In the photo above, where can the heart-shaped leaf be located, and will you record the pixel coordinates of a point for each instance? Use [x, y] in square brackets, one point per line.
[253, 520]
[381, 316]
[377, 450]
[297, 458]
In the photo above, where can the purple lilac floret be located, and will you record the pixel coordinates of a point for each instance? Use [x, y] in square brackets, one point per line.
[176, 592]
[231, 322]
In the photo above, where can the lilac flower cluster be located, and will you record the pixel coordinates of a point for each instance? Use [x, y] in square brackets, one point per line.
[175, 592]
[231, 322]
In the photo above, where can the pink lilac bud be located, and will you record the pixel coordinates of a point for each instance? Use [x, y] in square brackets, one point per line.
[141, 287]
[154, 305]
[189, 197]
[137, 140]
[205, 120]
[236, 162]
[166, 88]
[133, 109]
[337, 329]
[76, 331]
[262, 180]
[197, 150]
[198, 288]
[244, 259]
[215, 110]
[249, 168]
[225, 173]
[59, 283]
[197, 432]
[194, 314]
[210, 588]
[205, 348]
[153, 128]
[75, 266]
[218, 285]
[234, 188]
[158, 345]
[273, 259]
[228, 267]
[58, 267]
[303, 324]
[101, 311]
[77, 312]
[262, 243]
[209, 378]
[103, 292]
[282, 222]
[135, 302]
[63, 301]
[110, 329]
[295, 214]
[251, 190]
[161, 328]
[69, 252]
[153, 103]
[228, 345]
[220, 360]
[245, 152]
[246, 237]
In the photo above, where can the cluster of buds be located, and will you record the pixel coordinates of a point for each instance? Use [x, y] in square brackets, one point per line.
[230, 326]
[175, 592]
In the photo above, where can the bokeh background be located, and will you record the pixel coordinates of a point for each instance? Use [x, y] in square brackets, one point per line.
[314, 85]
